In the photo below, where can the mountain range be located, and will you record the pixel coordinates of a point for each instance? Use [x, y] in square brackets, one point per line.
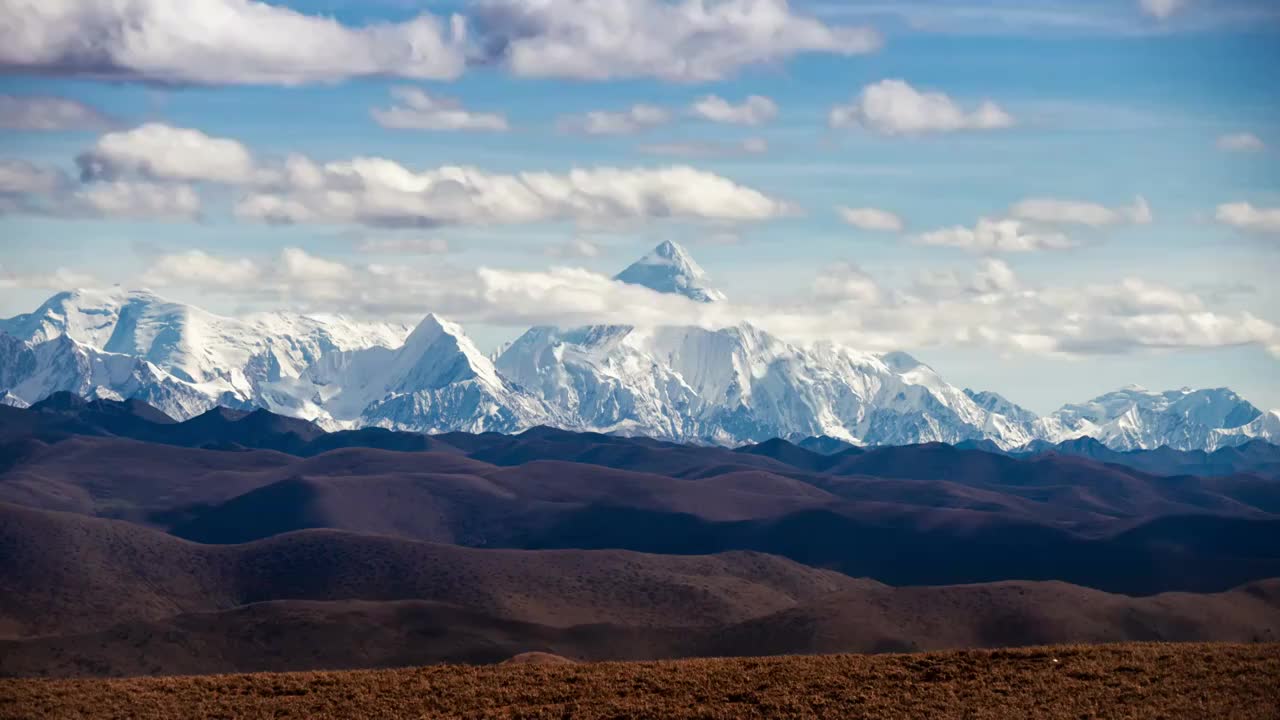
[728, 386]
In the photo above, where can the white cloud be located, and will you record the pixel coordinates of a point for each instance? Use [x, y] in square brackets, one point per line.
[60, 279]
[708, 148]
[871, 219]
[161, 152]
[846, 282]
[1246, 216]
[1161, 9]
[44, 113]
[892, 107]
[682, 41]
[419, 111]
[126, 199]
[998, 235]
[382, 192]
[216, 42]
[403, 245]
[986, 306]
[199, 269]
[1240, 142]
[1071, 212]
[994, 275]
[300, 265]
[34, 190]
[755, 110]
[626, 122]
[21, 177]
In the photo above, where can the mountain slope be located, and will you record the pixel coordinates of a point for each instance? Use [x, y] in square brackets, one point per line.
[215, 359]
[436, 381]
[1135, 418]
[127, 573]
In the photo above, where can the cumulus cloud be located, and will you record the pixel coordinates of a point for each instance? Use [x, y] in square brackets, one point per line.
[198, 268]
[45, 113]
[1240, 142]
[893, 107]
[218, 42]
[158, 163]
[21, 177]
[1071, 212]
[1246, 216]
[138, 200]
[59, 279]
[30, 189]
[986, 305]
[382, 192]
[874, 219]
[846, 282]
[160, 152]
[626, 122]
[708, 148]
[755, 110]
[1161, 9]
[682, 41]
[419, 111]
[995, 236]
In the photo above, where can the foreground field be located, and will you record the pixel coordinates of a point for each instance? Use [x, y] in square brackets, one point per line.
[1132, 681]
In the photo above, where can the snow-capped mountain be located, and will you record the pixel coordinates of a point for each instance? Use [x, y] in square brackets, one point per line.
[32, 371]
[205, 359]
[997, 403]
[670, 269]
[437, 380]
[1136, 418]
[738, 384]
[729, 386]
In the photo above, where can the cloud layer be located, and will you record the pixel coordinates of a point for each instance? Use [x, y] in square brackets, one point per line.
[984, 305]
[150, 170]
[1054, 211]
[381, 192]
[45, 113]
[995, 236]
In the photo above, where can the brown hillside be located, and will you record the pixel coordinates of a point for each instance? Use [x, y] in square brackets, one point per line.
[67, 573]
[1127, 681]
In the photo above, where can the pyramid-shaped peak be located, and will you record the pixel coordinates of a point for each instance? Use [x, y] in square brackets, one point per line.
[438, 352]
[669, 268]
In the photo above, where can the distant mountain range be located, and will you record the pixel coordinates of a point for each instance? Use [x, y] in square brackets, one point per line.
[731, 386]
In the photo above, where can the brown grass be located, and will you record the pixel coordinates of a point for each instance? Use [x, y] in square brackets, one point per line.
[1116, 681]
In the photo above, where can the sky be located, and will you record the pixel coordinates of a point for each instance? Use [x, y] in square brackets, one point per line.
[1048, 200]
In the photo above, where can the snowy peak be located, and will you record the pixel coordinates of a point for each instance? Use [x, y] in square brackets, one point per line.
[1136, 418]
[997, 403]
[436, 354]
[670, 269]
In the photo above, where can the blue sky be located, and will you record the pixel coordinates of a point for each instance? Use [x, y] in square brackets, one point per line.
[1103, 103]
